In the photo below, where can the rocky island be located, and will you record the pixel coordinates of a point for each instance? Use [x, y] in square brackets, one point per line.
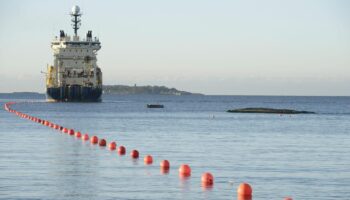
[269, 111]
[151, 90]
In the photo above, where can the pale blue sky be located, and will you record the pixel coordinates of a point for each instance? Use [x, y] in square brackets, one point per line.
[272, 47]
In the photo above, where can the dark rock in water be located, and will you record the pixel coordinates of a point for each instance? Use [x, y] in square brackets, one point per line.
[269, 110]
[155, 106]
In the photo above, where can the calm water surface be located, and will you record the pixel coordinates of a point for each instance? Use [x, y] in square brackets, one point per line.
[303, 156]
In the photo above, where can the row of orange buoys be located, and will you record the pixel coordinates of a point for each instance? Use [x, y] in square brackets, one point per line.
[244, 191]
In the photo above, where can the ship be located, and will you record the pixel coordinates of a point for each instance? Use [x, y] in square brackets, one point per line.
[74, 75]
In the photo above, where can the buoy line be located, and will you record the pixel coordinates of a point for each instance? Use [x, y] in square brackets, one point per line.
[244, 190]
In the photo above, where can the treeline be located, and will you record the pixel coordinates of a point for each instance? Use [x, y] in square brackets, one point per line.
[153, 90]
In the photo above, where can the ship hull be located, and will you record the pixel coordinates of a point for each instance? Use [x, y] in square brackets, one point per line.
[73, 93]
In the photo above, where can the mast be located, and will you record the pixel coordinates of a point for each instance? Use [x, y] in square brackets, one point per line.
[76, 19]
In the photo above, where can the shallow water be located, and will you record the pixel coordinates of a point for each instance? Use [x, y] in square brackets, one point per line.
[303, 156]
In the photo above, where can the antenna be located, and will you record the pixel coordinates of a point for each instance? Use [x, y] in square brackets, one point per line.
[76, 19]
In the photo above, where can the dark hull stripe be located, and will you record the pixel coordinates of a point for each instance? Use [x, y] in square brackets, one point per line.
[74, 93]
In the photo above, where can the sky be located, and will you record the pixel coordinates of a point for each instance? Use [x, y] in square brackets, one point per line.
[221, 47]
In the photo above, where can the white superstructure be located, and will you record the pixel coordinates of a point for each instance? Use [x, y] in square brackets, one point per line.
[75, 61]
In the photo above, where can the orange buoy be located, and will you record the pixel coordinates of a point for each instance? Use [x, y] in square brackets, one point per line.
[207, 179]
[77, 134]
[56, 126]
[148, 160]
[164, 164]
[244, 189]
[47, 123]
[112, 146]
[102, 142]
[121, 150]
[71, 132]
[134, 154]
[85, 137]
[94, 140]
[288, 198]
[185, 170]
[65, 130]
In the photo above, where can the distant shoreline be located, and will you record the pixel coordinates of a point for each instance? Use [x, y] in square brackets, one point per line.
[160, 90]
[238, 95]
[148, 89]
[126, 90]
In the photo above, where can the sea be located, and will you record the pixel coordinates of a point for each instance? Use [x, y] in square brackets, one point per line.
[303, 156]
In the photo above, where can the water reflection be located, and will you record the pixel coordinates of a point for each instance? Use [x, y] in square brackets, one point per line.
[135, 161]
[184, 182]
[242, 197]
[206, 187]
[164, 171]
